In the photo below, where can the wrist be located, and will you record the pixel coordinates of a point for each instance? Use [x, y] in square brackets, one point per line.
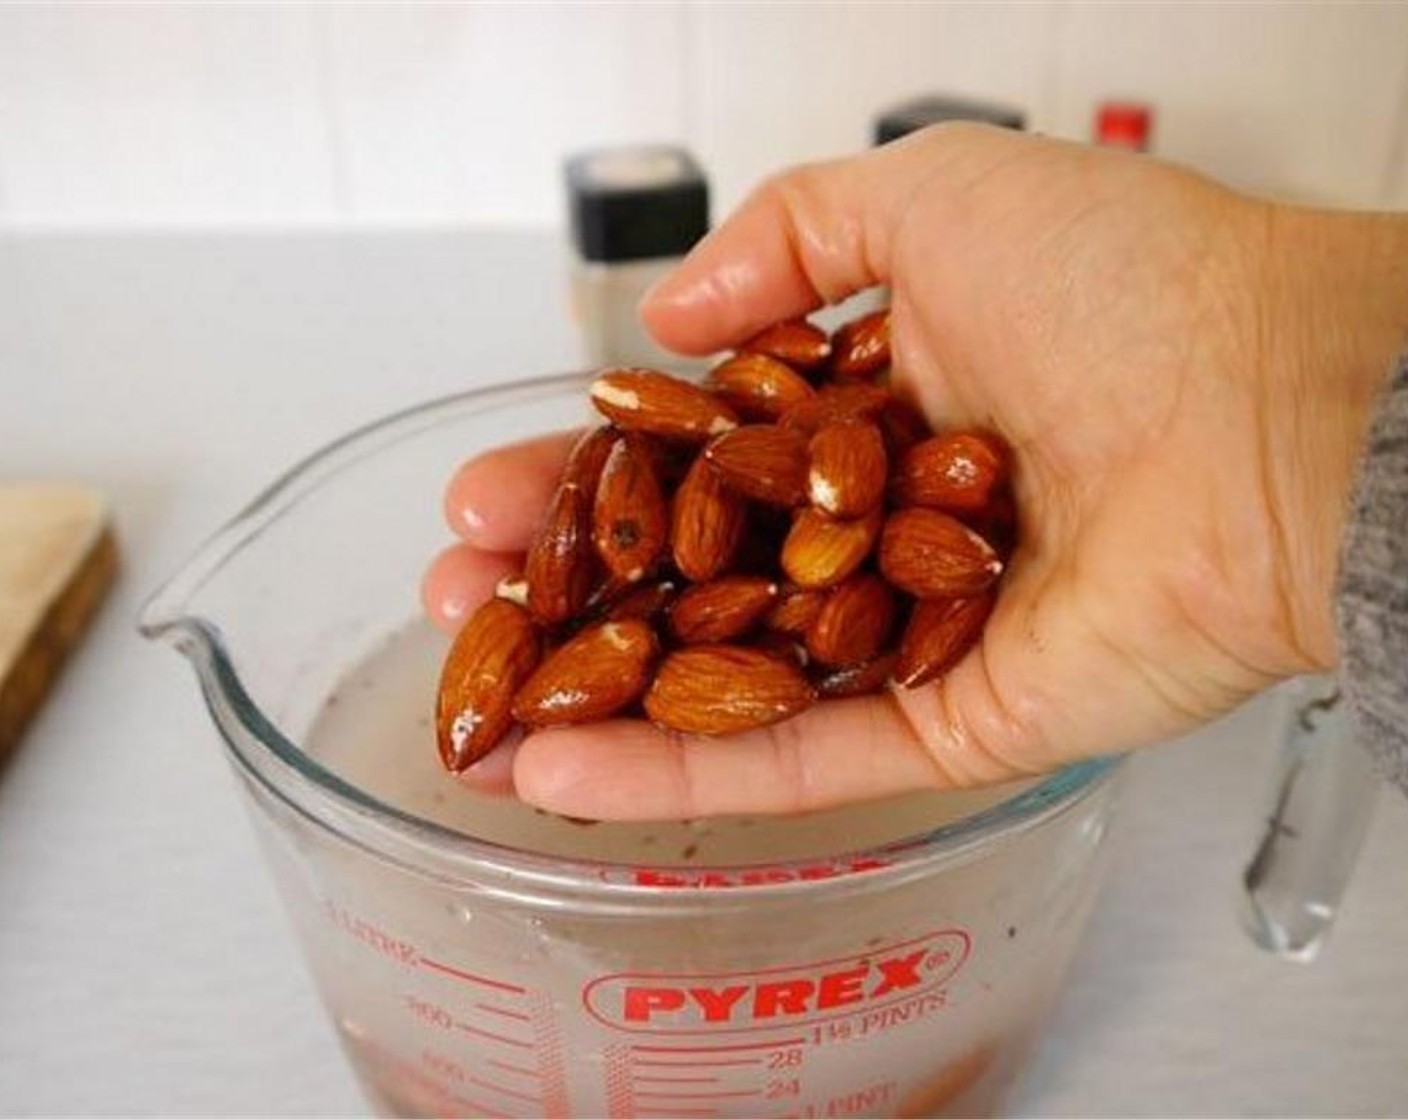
[1335, 314]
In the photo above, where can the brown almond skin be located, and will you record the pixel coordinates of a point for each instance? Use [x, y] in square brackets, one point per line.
[794, 341]
[777, 644]
[493, 654]
[821, 551]
[707, 520]
[587, 459]
[957, 472]
[762, 462]
[939, 633]
[630, 527]
[644, 601]
[854, 623]
[561, 565]
[796, 610]
[759, 387]
[723, 689]
[934, 556]
[861, 679]
[722, 609]
[848, 468]
[596, 674]
[833, 403]
[645, 400]
[861, 348]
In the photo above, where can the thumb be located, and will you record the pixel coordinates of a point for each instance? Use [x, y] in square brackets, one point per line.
[807, 237]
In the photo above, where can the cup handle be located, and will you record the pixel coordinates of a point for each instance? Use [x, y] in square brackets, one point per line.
[1321, 800]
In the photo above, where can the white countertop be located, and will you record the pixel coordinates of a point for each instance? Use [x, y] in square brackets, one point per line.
[145, 966]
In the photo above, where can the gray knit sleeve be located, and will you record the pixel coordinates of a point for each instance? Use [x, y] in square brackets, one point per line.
[1371, 601]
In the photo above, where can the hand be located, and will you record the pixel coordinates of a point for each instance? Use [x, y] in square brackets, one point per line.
[1184, 375]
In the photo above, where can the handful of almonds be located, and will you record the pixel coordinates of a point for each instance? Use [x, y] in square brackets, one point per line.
[723, 555]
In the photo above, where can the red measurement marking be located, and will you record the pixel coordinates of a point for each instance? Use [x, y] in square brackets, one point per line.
[475, 1106]
[776, 1043]
[513, 1068]
[694, 1064]
[496, 1037]
[503, 1089]
[691, 1096]
[678, 1080]
[461, 974]
[504, 1011]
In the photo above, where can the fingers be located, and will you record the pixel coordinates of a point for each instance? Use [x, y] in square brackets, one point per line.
[496, 500]
[811, 236]
[459, 579]
[838, 752]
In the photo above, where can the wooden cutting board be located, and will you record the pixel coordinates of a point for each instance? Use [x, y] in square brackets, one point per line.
[57, 560]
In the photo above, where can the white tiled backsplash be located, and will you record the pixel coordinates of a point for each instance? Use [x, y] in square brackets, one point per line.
[289, 113]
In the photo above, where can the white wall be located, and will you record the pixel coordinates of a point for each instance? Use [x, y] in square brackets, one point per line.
[288, 113]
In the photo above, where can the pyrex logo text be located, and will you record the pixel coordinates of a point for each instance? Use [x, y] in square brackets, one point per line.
[732, 1001]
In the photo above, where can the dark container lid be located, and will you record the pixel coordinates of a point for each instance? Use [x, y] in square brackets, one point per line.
[911, 116]
[633, 203]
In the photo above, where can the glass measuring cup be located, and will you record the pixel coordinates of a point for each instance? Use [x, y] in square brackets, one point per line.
[471, 978]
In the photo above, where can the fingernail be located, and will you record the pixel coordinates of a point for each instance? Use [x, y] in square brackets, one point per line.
[472, 520]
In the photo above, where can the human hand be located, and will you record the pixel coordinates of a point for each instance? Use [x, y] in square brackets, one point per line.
[1184, 375]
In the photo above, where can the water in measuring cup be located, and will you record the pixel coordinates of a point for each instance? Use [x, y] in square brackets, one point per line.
[376, 731]
[451, 1009]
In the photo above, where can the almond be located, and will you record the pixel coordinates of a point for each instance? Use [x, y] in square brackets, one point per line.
[861, 348]
[493, 654]
[644, 400]
[560, 566]
[707, 523]
[763, 462]
[719, 690]
[587, 459]
[722, 609]
[794, 341]
[939, 633]
[643, 601]
[821, 551]
[848, 468]
[931, 555]
[854, 623]
[833, 403]
[796, 610]
[594, 675]
[777, 644]
[854, 680]
[957, 472]
[629, 524]
[758, 387]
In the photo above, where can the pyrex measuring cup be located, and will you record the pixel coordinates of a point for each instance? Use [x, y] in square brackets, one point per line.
[469, 978]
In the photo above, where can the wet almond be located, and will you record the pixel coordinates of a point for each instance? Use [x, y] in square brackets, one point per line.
[839, 682]
[794, 341]
[846, 476]
[724, 689]
[493, 654]
[707, 520]
[722, 609]
[644, 400]
[630, 527]
[587, 459]
[932, 555]
[561, 565]
[598, 673]
[939, 633]
[758, 387]
[861, 348]
[957, 473]
[821, 551]
[834, 403]
[795, 611]
[762, 462]
[854, 623]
